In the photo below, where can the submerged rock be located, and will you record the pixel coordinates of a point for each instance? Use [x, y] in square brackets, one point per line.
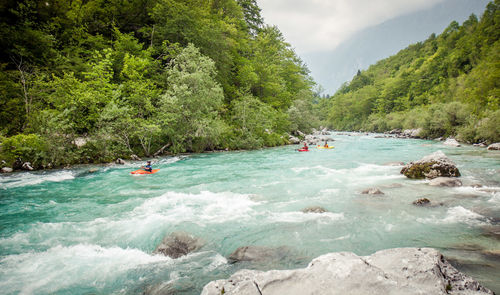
[372, 191]
[257, 253]
[451, 142]
[421, 202]
[431, 166]
[494, 146]
[178, 244]
[445, 181]
[314, 209]
[392, 271]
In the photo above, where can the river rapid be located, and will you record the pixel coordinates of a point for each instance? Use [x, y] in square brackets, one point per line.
[74, 232]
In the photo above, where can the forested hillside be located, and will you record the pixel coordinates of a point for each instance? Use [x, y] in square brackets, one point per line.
[447, 85]
[91, 80]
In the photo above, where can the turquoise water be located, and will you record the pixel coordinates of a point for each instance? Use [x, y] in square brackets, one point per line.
[73, 232]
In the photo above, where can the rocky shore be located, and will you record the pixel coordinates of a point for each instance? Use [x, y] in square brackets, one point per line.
[392, 271]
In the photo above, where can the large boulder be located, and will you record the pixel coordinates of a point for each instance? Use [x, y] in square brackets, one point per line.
[431, 166]
[293, 140]
[412, 133]
[445, 181]
[178, 244]
[494, 146]
[451, 142]
[393, 271]
[258, 253]
[120, 161]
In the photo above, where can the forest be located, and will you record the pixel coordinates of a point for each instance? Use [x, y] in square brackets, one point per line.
[87, 81]
[447, 85]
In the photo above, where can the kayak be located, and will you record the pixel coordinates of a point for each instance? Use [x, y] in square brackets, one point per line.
[303, 150]
[141, 171]
[322, 147]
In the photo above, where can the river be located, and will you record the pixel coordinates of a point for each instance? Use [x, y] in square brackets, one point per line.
[74, 232]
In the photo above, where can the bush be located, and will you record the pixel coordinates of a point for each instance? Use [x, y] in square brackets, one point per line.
[27, 147]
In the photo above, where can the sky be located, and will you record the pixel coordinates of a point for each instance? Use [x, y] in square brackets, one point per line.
[320, 25]
[335, 38]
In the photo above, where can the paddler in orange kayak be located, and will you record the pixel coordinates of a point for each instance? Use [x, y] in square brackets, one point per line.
[148, 167]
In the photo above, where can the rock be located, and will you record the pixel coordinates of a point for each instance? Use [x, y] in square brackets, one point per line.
[178, 244]
[394, 164]
[27, 166]
[372, 191]
[134, 157]
[494, 146]
[445, 181]
[394, 271]
[6, 170]
[293, 140]
[80, 141]
[300, 133]
[394, 131]
[257, 253]
[481, 144]
[412, 133]
[314, 209]
[421, 202]
[451, 142]
[93, 170]
[431, 166]
[120, 161]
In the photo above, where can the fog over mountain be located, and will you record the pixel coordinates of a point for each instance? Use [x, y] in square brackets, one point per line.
[331, 68]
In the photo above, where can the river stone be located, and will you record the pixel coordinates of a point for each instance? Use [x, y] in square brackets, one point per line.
[372, 191]
[27, 166]
[134, 157]
[431, 166]
[293, 140]
[120, 161]
[494, 146]
[445, 181]
[314, 209]
[6, 170]
[451, 142]
[421, 202]
[393, 271]
[178, 244]
[257, 253]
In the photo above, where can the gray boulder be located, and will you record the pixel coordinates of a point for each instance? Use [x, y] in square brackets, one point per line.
[258, 253]
[314, 209]
[178, 244]
[411, 133]
[6, 170]
[120, 161]
[372, 191]
[293, 140]
[445, 181]
[134, 157]
[451, 142]
[431, 166]
[494, 146]
[27, 166]
[393, 271]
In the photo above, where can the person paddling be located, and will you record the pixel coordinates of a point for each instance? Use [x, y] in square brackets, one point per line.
[148, 167]
[305, 147]
[326, 144]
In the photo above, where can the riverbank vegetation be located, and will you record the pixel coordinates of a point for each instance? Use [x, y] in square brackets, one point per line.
[448, 85]
[89, 81]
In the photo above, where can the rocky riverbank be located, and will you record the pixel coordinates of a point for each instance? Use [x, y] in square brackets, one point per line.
[392, 271]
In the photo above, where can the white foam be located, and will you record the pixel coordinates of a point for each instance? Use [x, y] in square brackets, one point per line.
[61, 267]
[457, 214]
[29, 178]
[294, 217]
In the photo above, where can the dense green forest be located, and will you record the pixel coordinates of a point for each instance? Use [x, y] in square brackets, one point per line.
[447, 85]
[86, 81]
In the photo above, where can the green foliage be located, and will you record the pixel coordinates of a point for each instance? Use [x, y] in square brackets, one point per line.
[27, 147]
[98, 79]
[447, 85]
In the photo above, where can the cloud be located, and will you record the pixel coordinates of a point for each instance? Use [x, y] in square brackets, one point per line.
[320, 25]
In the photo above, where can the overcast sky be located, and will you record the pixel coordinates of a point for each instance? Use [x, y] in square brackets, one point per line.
[320, 25]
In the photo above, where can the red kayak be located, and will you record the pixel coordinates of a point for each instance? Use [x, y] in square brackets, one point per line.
[303, 150]
[140, 171]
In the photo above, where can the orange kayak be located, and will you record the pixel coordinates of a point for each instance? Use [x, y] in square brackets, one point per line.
[141, 171]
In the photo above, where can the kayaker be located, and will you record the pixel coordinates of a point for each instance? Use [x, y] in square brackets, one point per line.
[148, 167]
[326, 144]
[305, 147]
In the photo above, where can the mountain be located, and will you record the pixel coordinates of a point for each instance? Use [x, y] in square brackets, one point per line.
[332, 68]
